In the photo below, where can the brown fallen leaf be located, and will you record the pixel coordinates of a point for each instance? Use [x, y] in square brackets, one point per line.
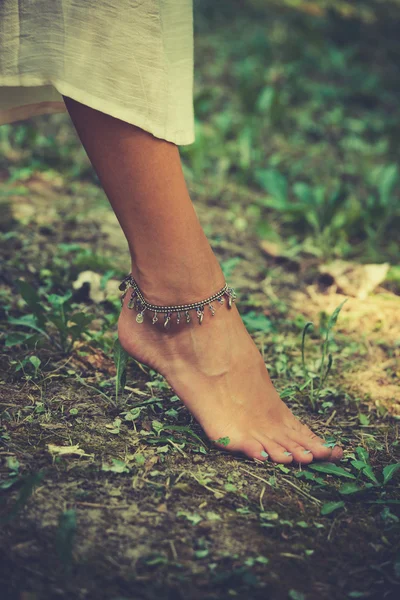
[354, 279]
[96, 359]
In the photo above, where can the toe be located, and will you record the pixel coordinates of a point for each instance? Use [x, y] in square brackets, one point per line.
[310, 441]
[337, 453]
[277, 452]
[253, 449]
[300, 453]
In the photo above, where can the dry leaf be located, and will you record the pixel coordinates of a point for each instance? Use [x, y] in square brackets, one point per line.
[96, 360]
[271, 248]
[96, 291]
[66, 450]
[353, 279]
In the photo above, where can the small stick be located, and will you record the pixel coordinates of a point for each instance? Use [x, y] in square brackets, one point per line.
[261, 498]
[327, 422]
[95, 505]
[306, 494]
[173, 550]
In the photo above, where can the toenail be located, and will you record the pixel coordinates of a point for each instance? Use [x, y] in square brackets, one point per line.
[264, 454]
[288, 453]
[306, 451]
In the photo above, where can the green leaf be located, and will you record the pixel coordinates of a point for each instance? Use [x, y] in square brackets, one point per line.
[35, 361]
[334, 316]
[362, 453]
[194, 518]
[117, 466]
[364, 420]
[29, 321]
[295, 595]
[65, 535]
[30, 482]
[331, 469]
[120, 361]
[329, 507]
[201, 553]
[358, 464]
[229, 487]
[350, 488]
[32, 299]
[389, 471]
[224, 441]
[274, 183]
[56, 300]
[15, 339]
[7, 483]
[367, 470]
[257, 322]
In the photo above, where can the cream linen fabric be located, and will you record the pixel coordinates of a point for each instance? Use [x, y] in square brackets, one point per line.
[132, 59]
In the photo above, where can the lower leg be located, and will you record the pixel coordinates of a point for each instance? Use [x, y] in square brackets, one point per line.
[143, 180]
[214, 368]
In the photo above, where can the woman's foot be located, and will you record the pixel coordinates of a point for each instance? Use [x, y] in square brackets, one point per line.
[217, 371]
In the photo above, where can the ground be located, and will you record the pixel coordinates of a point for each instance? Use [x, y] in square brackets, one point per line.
[112, 494]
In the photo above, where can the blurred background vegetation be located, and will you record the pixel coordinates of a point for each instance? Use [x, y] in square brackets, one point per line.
[297, 108]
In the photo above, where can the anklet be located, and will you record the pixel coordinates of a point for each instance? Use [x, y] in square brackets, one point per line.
[138, 302]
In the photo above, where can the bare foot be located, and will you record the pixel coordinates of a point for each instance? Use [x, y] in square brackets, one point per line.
[217, 371]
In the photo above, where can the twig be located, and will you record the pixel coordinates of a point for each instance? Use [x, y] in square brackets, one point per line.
[327, 422]
[306, 494]
[261, 498]
[257, 477]
[173, 550]
[95, 505]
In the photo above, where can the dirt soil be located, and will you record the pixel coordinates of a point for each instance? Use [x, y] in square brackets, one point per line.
[136, 508]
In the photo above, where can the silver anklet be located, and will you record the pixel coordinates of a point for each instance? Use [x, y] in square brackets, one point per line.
[138, 302]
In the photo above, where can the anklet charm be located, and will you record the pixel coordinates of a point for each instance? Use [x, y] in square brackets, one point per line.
[138, 302]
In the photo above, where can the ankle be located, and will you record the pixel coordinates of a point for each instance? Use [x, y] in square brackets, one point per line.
[181, 284]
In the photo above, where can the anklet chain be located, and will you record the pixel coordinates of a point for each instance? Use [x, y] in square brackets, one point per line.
[140, 304]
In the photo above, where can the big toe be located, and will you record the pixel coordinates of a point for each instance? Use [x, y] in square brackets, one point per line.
[318, 446]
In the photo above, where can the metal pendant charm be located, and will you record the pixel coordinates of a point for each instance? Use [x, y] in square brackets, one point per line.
[200, 314]
[155, 318]
[178, 318]
[140, 317]
[187, 317]
[212, 309]
[167, 319]
[231, 296]
[131, 302]
[124, 285]
[220, 300]
[122, 296]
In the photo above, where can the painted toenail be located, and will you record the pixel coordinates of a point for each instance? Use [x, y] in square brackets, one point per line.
[288, 453]
[264, 454]
[306, 451]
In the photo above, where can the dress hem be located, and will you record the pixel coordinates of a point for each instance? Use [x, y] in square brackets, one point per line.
[124, 114]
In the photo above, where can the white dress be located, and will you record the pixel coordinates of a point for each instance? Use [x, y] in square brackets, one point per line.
[131, 59]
